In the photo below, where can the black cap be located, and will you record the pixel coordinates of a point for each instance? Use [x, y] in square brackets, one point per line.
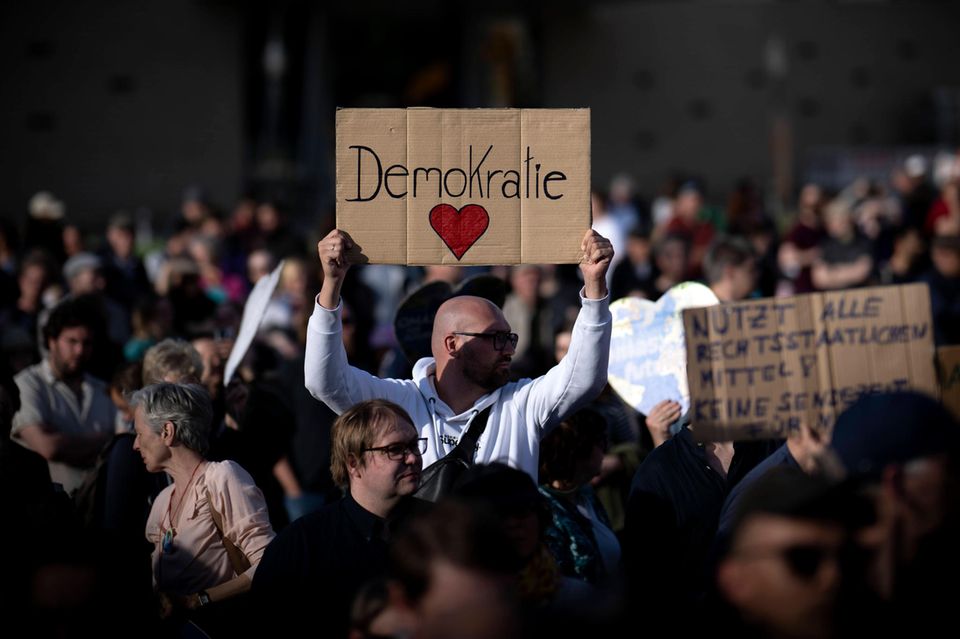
[892, 428]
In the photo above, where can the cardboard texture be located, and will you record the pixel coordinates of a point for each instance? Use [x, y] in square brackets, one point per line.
[948, 366]
[763, 368]
[471, 186]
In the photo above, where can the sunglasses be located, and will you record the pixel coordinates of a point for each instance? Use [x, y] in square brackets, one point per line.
[804, 560]
[500, 338]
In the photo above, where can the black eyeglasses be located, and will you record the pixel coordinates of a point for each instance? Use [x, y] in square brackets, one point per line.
[399, 452]
[500, 338]
[804, 560]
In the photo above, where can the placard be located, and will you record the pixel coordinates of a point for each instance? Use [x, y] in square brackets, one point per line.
[471, 186]
[761, 368]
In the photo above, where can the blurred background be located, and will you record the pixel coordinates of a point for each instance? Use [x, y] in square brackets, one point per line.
[124, 105]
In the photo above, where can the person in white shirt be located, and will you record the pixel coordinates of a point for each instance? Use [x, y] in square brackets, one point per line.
[472, 348]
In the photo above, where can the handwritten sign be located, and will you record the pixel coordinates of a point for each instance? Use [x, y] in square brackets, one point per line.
[948, 365]
[479, 186]
[762, 368]
[648, 361]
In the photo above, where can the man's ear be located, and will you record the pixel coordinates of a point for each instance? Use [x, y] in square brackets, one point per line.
[354, 464]
[450, 345]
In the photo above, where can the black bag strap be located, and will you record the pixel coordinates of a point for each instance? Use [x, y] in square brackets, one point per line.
[468, 443]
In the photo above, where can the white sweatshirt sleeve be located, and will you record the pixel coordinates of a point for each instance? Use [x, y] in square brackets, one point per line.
[579, 377]
[330, 378]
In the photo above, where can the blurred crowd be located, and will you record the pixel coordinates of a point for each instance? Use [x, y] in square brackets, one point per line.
[111, 333]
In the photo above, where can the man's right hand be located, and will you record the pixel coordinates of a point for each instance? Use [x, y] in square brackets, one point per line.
[333, 259]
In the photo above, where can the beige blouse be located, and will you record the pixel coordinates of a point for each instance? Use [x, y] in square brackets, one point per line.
[197, 559]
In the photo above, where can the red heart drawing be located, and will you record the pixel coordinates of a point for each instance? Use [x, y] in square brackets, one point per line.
[459, 230]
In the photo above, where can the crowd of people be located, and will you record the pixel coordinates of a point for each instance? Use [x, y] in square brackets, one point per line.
[492, 486]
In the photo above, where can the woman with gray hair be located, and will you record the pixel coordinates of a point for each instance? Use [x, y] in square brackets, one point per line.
[209, 528]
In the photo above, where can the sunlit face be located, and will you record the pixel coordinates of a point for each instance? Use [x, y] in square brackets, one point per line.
[783, 574]
[70, 350]
[153, 450]
[483, 364]
[388, 478]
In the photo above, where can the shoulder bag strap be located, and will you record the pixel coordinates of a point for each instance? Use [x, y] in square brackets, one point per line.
[466, 447]
[237, 558]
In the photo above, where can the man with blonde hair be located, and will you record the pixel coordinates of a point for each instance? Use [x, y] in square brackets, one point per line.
[313, 569]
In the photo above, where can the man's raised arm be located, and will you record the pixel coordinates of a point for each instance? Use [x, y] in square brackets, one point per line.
[327, 374]
[582, 373]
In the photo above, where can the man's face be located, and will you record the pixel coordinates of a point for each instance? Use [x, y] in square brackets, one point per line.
[483, 364]
[744, 279]
[70, 350]
[783, 574]
[148, 443]
[385, 477]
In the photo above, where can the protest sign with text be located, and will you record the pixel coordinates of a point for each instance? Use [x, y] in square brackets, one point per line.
[762, 368]
[472, 186]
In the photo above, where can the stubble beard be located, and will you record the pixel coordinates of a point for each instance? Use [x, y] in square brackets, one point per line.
[487, 379]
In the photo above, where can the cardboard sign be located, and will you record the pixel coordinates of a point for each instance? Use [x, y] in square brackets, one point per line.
[948, 365]
[648, 354]
[447, 186]
[762, 368]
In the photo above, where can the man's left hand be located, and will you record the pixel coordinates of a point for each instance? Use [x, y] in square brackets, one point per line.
[597, 253]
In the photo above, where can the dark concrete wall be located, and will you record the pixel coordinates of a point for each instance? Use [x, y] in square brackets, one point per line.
[115, 104]
[682, 84]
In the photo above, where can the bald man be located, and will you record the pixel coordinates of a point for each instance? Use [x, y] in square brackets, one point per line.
[472, 348]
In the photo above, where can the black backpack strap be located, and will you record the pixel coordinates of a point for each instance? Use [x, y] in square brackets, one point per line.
[466, 447]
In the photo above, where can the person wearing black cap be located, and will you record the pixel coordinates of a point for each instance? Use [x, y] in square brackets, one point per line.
[904, 448]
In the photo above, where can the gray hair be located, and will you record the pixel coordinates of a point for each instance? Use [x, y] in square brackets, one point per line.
[172, 357]
[187, 406]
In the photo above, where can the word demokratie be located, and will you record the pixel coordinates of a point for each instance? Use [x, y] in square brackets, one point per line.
[475, 182]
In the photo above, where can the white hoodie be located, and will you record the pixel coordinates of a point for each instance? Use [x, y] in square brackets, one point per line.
[523, 411]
